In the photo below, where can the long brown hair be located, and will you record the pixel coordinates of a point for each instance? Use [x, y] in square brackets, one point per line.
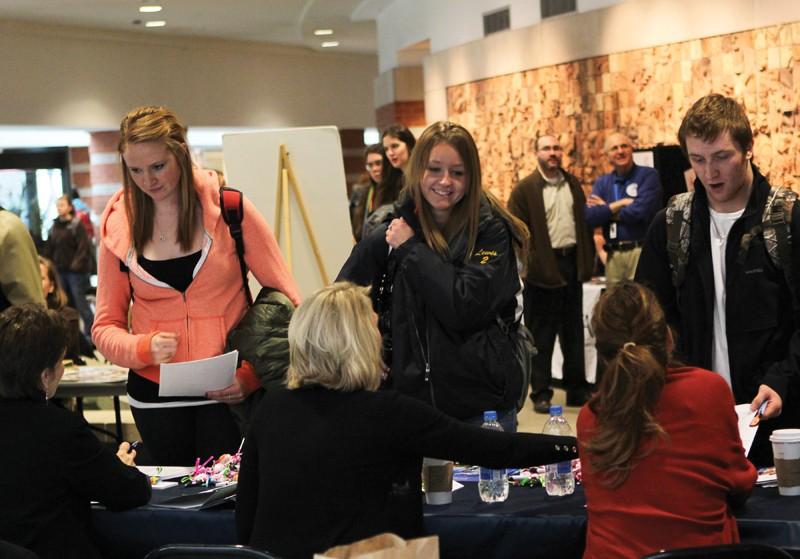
[633, 343]
[464, 217]
[57, 299]
[158, 124]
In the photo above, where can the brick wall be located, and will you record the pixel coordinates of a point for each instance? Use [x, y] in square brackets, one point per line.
[644, 93]
[407, 113]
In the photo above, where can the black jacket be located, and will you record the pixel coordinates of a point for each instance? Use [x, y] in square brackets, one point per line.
[763, 340]
[262, 338]
[444, 314]
[54, 467]
[69, 247]
[323, 467]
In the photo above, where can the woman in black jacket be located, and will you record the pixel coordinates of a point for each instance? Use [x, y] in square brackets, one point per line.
[398, 145]
[54, 464]
[446, 284]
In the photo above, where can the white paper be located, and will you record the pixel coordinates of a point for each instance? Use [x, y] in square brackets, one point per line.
[165, 472]
[746, 433]
[195, 378]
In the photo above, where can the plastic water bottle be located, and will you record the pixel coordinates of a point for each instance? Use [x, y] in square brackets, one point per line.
[559, 480]
[492, 484]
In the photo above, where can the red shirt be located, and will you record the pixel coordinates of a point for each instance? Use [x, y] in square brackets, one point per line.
[678, 495]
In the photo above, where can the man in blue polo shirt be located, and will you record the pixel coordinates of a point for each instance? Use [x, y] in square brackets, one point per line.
[623, 203]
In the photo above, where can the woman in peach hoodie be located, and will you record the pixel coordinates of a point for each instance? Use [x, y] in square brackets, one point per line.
[170, 288]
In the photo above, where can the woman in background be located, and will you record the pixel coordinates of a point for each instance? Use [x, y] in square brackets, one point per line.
[168, 256]
[365, 196]
[56, 299]
[54, 464]
[443, 267]
[72, 251]
[662, 460]
[332, 460]
[398, 144]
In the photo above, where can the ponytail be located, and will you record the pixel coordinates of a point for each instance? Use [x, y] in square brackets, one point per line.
[633, 346]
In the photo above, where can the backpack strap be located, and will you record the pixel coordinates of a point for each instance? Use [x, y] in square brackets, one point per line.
[231, 203]
[777, 226]
[679, 220]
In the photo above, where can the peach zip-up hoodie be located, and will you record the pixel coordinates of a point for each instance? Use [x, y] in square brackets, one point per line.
[203, 315]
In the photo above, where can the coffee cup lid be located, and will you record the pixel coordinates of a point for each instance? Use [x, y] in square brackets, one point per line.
[785, 435]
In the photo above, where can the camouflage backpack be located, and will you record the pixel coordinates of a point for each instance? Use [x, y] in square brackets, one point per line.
[776, 226]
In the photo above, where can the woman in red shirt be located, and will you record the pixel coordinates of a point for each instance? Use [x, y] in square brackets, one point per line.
[662, 460]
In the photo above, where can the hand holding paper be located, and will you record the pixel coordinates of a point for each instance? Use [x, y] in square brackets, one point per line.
[747, 428]
[196, 378]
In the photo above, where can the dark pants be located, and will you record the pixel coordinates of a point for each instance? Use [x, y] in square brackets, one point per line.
[177, 436]
[557, 312]
[76, 285]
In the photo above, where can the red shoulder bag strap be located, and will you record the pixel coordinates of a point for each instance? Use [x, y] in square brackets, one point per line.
[231, 202]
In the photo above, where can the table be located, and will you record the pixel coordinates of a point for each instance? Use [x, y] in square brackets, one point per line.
[93, 382]
[529, 525]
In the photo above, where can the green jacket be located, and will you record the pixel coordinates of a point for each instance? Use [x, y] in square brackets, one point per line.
[262, 339]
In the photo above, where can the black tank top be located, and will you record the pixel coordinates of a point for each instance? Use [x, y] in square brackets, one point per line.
[176, 272]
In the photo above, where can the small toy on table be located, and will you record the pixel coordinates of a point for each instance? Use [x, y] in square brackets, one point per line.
[222, 471]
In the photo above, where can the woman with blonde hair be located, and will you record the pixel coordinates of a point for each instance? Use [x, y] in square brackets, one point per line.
[446, 282]
[167, 253]
[661, 456]
[333, 460]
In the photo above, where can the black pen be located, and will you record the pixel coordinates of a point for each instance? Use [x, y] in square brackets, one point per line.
[136, 445]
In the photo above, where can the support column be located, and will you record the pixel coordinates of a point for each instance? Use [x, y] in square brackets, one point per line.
[104, 169]
[400, 98]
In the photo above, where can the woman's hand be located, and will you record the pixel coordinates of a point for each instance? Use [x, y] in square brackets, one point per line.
[163, 347]
[126, 454]
[233, 394]
[398, 232]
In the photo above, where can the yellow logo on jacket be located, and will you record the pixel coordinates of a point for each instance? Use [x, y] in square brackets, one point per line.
[484, 255]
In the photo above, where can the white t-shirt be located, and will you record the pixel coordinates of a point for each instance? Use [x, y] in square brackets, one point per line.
[719, 227]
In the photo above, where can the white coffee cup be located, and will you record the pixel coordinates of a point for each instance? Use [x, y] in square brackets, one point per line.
[437, 481]
[786, 451]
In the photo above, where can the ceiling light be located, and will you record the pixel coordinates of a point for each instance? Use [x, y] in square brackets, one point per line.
[157, 23]
[321, 32]
[329, 44]
[149, 9]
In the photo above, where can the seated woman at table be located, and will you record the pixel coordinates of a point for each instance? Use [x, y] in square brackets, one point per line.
[332, 460]
[661, 456]
[56, 299]
[53, 465]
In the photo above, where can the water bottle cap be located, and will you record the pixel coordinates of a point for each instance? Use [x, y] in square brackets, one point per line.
[555, 410]
[490, 415]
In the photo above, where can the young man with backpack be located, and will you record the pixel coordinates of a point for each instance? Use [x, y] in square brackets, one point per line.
[721, 261]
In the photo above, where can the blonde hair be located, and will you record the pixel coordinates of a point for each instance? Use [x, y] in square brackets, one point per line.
[465, 215]
[158, 124]
[633, 347]
[334, 341]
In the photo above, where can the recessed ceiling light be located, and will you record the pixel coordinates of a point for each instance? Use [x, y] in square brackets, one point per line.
[329, 44]
[157, 23]
[149, 9]
[320, 32]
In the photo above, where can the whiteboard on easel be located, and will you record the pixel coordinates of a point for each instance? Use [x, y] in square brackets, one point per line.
[252, 163]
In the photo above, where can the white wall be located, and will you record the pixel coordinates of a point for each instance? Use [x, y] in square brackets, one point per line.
[63, 76]
[449, 23]
[621, 27]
